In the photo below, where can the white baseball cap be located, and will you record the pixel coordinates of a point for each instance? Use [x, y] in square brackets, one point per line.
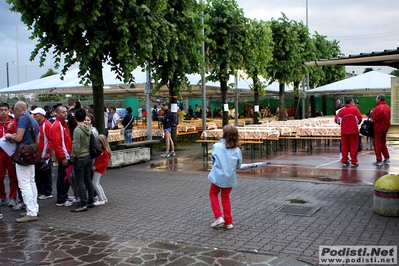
[39, 110]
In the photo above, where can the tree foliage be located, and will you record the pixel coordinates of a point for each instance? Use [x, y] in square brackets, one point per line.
[324, 49]
[123, 34]
[288, 60]
[368, 69]
[184, 38]
[49, 73]
[227, 39]
[257, 55]
[395, 72]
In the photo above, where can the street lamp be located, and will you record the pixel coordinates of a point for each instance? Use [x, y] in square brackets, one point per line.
[8, 76]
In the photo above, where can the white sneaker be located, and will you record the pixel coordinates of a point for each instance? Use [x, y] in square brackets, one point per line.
[65, 204]
[99, 202]
[386, 161]
[217, 222]
[166, 154]
[12, 202]
[227, 226]
[172, 153]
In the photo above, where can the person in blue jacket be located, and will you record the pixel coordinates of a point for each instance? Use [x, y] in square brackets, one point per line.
[226, 159]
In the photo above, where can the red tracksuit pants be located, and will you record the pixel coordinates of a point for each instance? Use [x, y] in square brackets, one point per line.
[6, 164]
[380, 146]
[225, 196]
[349, 143]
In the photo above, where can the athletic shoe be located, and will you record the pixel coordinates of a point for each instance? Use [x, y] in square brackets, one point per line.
[378, 163]
[12, 202]
[172, 153]
[99, 202]
[26, 218]
[355, 165]
[1, 216]
[65, 204]
[20, 205]
[386, 161]
[217, 222]
[80, 209]
[71, 198]
[3, 201]
[43, 197]
[345, 164]
[227, 226]
[22, 214]
[166, 154]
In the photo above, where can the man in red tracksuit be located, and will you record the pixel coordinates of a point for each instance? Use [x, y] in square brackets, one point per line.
[349, 118]
[62, 145]
[381, 117]
[6, 160]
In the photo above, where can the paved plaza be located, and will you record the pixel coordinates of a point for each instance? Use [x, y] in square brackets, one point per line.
[159, 214]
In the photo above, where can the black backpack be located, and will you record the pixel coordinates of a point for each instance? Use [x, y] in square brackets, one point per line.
[175, 120]
[95, 147]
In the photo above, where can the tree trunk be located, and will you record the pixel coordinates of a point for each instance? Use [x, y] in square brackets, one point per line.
[173, 100]
[281, 112]
[223, 89]
[97, 81]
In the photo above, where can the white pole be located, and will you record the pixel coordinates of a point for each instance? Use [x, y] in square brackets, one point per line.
[236, 103]
[148, 107]
[16, 38]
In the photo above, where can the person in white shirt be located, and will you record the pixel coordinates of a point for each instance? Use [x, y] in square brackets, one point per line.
[115, 119]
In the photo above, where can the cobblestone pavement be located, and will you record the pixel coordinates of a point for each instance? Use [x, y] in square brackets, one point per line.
[163, 217]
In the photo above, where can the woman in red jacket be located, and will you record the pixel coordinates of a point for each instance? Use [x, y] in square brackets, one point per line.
[99, 168]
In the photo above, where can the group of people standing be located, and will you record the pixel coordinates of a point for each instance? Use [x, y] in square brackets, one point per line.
[69, 138]
[349, 117]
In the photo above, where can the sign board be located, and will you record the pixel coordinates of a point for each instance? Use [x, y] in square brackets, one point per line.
[395, 101]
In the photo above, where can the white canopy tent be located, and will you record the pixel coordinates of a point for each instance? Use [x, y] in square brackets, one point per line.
[71, 85]
[372, 82]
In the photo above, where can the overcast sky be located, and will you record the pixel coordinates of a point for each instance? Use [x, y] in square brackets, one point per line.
[360, 26]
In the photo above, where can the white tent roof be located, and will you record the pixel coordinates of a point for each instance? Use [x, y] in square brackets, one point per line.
[372, 82]
[71, 85]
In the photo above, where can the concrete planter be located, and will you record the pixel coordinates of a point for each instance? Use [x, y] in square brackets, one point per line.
[129, 156]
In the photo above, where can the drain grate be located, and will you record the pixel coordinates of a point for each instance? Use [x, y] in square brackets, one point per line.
[297, 210]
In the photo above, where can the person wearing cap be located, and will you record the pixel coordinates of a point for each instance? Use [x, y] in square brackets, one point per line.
[167, 127]
[43, 171]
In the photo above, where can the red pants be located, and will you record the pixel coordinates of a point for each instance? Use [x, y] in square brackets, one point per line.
[6, 164]
[380, 146]
[349, 143]
[225, 195]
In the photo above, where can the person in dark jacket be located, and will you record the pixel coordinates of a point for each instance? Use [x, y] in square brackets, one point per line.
[349, 118]
[382, 118]
[167, 128]
[127, 123]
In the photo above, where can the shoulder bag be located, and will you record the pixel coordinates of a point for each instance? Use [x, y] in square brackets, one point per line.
[367, 128]
[28, 154]
[124, 128]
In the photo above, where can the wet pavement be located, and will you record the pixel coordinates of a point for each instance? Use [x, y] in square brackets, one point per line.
[159, 214]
